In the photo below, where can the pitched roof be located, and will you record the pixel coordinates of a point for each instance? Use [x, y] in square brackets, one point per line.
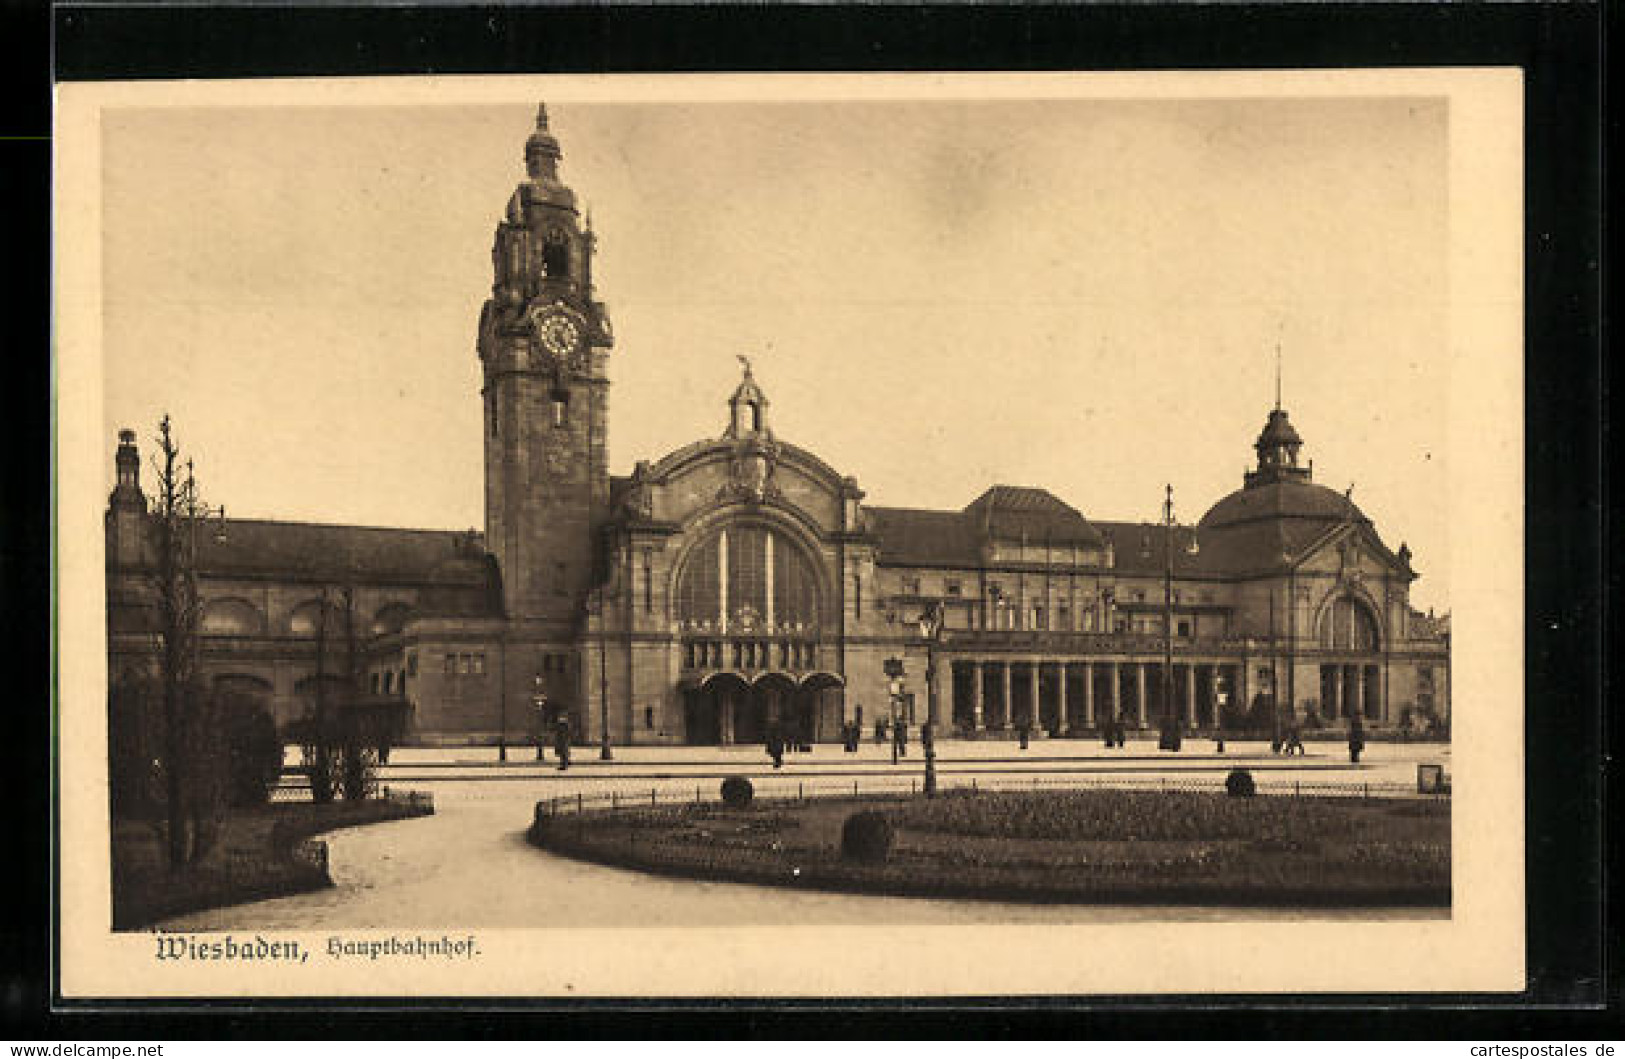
[314, 551]
[1017, 512]
[912, 535]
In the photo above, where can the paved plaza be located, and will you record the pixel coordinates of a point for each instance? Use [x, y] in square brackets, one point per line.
[469, 864]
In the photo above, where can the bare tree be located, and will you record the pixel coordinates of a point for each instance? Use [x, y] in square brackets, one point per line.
[189, 736]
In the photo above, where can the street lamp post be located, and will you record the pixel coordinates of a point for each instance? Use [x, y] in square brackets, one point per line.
[595, 607]
[893, 669]
[931, 628]
[1170, 736]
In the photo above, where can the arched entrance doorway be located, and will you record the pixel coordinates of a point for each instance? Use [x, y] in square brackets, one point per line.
[728, 709]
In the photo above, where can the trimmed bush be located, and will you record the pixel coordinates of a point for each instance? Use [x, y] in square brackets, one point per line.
[255, 752]
[866, 837]
[737, 792]
[1239, 784]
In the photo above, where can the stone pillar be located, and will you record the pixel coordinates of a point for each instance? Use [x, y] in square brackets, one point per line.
[1213, 687]
[1139, 694]
[1034, 716]
[1063, 723]
[976, 697]
[727, 719]
[1359, 690]
[1005, 703]
[935, 696]
[1088, 695]
[1190, 696]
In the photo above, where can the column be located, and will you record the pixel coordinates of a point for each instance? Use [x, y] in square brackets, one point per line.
[1063, 724]
[1359, 690]
[1213, 693]
[1139, 693]
[934, 693]
[976, 698]
[1114, 698]
[1033, 714]
[1005, 703]
[1190, 696]
[1088, 695]
[1337, 692]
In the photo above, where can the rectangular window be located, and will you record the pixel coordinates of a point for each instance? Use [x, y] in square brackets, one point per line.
[1040, 619]
[451, 665]
[479, 665]
[463, 664]
[955, 587]
[1184, 628]
[1063, 617]
[911, 586]
[857, 595]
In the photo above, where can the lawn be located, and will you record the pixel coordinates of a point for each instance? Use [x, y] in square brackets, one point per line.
[251, 861]
[1102, 846]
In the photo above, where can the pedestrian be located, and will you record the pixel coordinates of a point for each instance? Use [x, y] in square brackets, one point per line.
[1025, 733]
[1294, 742]
[880, 732]
[1356, 738]
[561, 742]
[902, 738]
[775, 748]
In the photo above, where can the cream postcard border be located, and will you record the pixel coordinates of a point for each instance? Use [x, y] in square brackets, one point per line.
[1479, 948]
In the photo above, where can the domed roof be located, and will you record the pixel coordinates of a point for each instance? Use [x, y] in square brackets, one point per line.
[1284, 499]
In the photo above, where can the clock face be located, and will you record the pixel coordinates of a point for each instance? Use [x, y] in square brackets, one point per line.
[559, 335]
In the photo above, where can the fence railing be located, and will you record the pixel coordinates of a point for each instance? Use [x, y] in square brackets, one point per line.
[775, 789]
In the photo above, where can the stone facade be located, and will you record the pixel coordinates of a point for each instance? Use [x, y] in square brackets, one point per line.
[741, 583]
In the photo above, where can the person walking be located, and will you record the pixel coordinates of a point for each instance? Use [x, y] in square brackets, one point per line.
[775, 747]
[902, 738]
[1294, 742]
[1356, 738]
[561, 742]
[880, 732]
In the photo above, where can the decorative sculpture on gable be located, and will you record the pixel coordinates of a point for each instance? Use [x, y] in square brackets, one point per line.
[751, 471]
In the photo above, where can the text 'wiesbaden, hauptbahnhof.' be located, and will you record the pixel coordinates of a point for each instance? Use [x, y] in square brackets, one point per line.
[741, 583]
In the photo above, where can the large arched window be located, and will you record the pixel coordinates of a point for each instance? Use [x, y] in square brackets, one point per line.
[1348, 626]
[745, 579]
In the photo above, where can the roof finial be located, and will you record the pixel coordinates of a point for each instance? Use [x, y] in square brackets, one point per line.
[541, 117]
[746, 362]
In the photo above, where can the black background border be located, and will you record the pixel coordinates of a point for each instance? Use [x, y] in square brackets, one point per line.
[1560, 47]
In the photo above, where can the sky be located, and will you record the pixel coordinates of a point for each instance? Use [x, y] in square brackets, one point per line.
[936, 294]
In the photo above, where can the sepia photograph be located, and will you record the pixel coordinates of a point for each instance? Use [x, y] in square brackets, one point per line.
[652, 536]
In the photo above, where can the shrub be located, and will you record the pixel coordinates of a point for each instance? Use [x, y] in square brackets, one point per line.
[1239, 784]
[737, 791]
[254, 751]
[356, 774]
[866, 837]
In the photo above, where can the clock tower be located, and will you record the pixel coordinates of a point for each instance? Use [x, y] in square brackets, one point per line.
[544, 351]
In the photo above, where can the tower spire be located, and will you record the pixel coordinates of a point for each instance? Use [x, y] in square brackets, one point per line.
[1277, 376]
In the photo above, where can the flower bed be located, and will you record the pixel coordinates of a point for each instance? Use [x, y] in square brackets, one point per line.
[1083, 846]
[253, 859]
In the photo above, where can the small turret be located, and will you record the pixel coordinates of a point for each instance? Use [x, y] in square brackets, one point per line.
[747, 408]
[127, 505]
[1277, 446]
[127, 461]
